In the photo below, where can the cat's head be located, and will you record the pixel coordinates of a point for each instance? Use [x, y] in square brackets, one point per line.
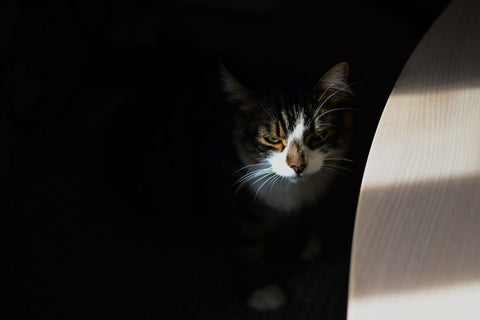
[292, 136]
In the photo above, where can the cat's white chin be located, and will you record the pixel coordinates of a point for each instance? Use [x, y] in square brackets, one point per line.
[296, 179]
[293, 192]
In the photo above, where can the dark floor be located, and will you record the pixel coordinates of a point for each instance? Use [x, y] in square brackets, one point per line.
[102, 109]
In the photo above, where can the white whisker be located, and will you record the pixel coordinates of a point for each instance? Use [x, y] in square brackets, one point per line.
[347, 86]
[278, 177]
[325, 91]
[339, 159]
[328, 98]
[339, 168]
[333, 173]
[262, 176]
[336, 109]
[318, 108]
[251, 175]
[336, 170]
[248, 166]
[271, 176]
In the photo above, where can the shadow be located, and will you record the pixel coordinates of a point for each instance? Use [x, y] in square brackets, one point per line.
[446, 58]
[417, 236]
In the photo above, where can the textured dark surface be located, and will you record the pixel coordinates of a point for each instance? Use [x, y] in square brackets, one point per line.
[317, 293]
[101, 112]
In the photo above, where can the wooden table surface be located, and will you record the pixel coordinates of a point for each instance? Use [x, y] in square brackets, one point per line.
[416, 247]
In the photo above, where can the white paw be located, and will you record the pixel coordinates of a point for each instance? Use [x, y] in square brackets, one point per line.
[267, 298]
[312, 249]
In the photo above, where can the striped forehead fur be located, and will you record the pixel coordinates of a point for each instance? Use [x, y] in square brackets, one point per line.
[286, 115]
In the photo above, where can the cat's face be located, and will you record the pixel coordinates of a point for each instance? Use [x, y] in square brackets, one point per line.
[292, 138]
[293, 145]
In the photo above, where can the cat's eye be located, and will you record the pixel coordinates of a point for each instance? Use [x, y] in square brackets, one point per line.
[272, 140]
[317, 138]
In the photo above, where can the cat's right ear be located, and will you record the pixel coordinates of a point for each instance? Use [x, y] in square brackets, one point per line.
[237, 93]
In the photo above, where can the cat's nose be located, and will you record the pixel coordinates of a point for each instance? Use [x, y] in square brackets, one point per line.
[297, 169]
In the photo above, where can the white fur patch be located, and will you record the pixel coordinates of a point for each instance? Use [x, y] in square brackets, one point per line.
[299, 130]
[279, 164]
[267, 298]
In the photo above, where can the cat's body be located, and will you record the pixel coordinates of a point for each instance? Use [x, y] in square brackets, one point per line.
[289, 151]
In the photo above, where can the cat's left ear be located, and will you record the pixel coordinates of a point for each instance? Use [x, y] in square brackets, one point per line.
[336, 79]
[237, 93]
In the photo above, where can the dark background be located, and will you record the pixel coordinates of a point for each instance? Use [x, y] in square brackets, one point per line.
[108, 113]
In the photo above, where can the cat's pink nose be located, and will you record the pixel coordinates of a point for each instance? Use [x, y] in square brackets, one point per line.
[297, 169]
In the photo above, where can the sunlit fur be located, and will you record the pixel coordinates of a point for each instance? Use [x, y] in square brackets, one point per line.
[292, 147]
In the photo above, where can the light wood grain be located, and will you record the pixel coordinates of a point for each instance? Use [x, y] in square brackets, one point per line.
[416, 247]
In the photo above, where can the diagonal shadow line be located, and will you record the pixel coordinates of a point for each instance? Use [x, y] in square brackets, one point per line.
[433, 243]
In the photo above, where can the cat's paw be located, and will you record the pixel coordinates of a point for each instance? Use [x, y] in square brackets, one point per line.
[312, 249]
[267, 298]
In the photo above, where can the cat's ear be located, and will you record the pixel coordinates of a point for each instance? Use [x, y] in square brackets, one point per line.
[336, 79]
[236, 92]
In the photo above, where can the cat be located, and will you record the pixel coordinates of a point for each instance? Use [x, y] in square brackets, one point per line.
[289, 149]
